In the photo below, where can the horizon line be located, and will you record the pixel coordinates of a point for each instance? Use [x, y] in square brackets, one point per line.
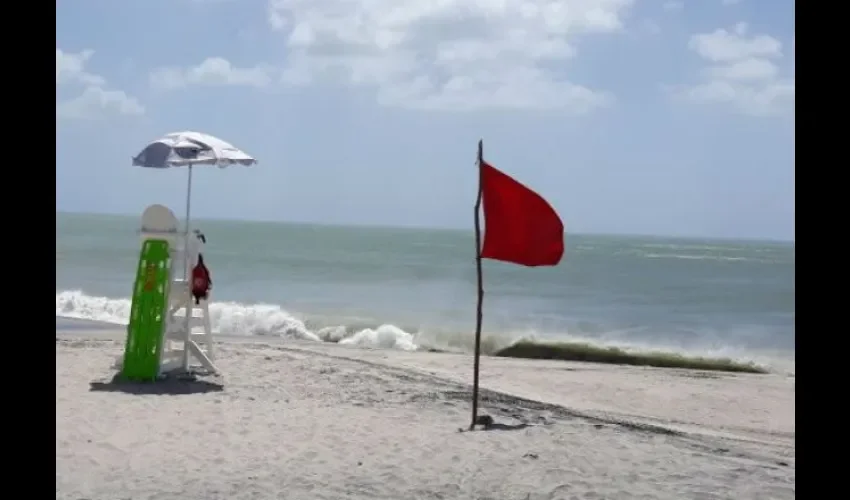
[435, 228]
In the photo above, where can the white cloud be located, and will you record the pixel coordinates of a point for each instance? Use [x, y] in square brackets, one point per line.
[467, 54]
[749, 69]
[743, 70]
[724, 46]
[70, 68]
[671, 5]
[731, 2]
[94, 101]
[213, 71]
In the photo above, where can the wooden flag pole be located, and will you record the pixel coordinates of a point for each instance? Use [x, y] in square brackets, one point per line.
[480, 290]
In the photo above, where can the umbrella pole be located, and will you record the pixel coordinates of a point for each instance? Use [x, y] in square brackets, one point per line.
[188, 279]
[188, 213]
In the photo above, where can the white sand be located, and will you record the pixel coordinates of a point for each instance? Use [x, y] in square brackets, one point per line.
[320, 421]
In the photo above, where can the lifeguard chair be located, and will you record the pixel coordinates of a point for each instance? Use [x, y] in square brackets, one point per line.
[167, 331]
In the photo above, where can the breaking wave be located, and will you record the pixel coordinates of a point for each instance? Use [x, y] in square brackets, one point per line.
[232, 318]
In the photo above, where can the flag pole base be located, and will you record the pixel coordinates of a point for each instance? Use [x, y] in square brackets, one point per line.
[485, 421]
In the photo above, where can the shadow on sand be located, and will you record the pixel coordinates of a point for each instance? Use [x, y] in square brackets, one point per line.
[505, 427]
[486, 423]
[182, 385]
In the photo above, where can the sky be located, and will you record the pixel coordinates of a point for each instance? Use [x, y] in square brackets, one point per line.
[656, 117]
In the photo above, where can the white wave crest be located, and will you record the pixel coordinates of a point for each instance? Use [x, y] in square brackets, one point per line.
[234, 318]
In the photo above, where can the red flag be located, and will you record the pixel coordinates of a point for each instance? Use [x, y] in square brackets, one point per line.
[519, 225]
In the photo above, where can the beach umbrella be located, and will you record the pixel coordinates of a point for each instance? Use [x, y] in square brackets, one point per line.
[190, 149]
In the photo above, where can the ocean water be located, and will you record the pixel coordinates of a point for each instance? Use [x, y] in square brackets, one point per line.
[415, 288]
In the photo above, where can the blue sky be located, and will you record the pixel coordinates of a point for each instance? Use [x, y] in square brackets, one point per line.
[630, 116]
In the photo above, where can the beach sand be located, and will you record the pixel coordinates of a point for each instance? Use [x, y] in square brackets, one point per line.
[300, 420]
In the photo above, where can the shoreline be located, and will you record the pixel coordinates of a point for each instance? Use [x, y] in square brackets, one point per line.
[590, 353]
[456, 367]
[548, 349]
